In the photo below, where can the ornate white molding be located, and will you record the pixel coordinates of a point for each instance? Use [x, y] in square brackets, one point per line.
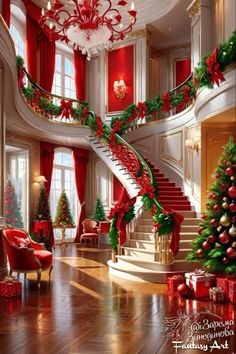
[194, 8]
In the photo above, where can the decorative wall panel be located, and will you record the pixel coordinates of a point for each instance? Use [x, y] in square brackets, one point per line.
[102, 181]
[171, 149]
[120, 66]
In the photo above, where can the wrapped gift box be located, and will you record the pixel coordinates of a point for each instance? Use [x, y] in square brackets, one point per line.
[200, 282]
[174, 281]
[232, 290]
[217, 294]
[10, 287]
[224, 284]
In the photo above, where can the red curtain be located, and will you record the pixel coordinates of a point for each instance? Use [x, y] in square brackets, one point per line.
[47, 62]
[46, 163]
[6, 12]
[32, 36]
[183, 70]
[80, 71]
[33, 10]
[80, 157]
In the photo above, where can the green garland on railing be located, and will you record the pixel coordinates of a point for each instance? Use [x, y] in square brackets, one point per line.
[41, 101]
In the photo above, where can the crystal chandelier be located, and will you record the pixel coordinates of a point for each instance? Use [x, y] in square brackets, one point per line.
[89, 25]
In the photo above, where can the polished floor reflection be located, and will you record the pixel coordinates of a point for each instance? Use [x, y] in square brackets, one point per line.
[86, 311]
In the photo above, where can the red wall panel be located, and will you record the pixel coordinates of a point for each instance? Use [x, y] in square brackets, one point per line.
[183, 70]
[120, 67]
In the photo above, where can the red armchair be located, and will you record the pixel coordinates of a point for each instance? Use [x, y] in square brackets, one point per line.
[25, 255]
[89, 230]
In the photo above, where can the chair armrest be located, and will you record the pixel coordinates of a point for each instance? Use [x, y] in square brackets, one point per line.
[36, 245]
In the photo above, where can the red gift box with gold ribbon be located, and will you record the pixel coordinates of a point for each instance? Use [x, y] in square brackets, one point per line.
[200, 282]
[10, 287]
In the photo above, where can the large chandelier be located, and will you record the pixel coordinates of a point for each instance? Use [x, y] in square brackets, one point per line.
[89, 25]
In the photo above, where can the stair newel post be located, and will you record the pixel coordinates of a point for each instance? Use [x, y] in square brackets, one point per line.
[164, 249]
[157, 247]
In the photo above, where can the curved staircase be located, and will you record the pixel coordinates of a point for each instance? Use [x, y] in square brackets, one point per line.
[137, 261]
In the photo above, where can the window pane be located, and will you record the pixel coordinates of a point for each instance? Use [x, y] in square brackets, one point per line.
[58, 63]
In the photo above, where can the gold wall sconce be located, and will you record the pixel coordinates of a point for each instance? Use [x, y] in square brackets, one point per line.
[120, 89]
[40, 179]
[193, 144]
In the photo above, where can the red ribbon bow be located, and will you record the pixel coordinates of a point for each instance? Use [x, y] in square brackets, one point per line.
[142, 110]
[175, 238]
[213, 68]
[166, 102]
[99, 126]
[66, 108]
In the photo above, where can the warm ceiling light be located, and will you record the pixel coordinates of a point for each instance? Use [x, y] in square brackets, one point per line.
[89, 25]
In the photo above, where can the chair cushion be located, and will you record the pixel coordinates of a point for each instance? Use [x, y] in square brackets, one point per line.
[22, 242]
[45, 258]
[89, 235]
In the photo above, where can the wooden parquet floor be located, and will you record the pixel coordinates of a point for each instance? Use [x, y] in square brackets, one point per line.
[86, 311]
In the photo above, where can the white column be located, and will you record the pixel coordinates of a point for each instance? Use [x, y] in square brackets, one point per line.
[200, 12]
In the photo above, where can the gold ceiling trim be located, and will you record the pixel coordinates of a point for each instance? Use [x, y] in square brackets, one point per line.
[193, 8]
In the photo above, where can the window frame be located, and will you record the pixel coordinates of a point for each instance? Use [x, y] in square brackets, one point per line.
[63, 168]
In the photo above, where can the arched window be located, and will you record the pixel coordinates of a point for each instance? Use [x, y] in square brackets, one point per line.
[63, 179]
[63, 81]
[18, 41]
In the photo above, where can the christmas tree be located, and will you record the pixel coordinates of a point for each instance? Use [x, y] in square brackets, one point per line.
[42, 211]
[98, 213]
[12, 215]
[215, 247]
[63, 214]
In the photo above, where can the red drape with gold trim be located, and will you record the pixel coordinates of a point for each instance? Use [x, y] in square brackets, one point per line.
[80, 157]
[47, 62]
[6, 11]
[80, 70]
[46, 163]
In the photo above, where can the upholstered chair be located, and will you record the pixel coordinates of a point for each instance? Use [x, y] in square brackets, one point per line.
[25, 255]
[89, 231]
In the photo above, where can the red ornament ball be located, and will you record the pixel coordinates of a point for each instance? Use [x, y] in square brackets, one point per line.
[231, 253]
[206, 245]
[224, 238]
[225, 260]
[184, 290]
[223, 186]
[211, 239]
[217, 175]
[232, 192]
[214, 222]
[232, 207]
[214, 196]
[200, 230]
[204, 216]
[199, 252]
[216, 208]
[229, 171]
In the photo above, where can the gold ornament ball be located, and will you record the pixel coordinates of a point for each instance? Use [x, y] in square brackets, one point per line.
[225, 205]
[232, 178]
[234, 244]
[232, 231]
[225, 220]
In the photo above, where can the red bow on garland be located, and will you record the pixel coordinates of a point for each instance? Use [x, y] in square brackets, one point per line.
[99, 126]
[84, 114]
[116, 129]
[175, 238]
[66, 109]
[21, 75]
[181, 106]
[120, 210]
[148, 189]
[213, 68]
[166, 102]
[35, 99]
[142, 109]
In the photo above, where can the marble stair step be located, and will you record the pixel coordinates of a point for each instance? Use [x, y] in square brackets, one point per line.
[185, 213]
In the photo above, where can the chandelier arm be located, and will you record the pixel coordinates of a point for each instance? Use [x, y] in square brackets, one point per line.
[57, 17]
[127, 29]
[77, 7]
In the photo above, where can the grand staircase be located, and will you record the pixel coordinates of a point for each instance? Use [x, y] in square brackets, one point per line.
[137, 261]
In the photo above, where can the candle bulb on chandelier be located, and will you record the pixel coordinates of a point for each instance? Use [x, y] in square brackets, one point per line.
[42, 12]
[49, 6]
[50, 25]
[132, 6]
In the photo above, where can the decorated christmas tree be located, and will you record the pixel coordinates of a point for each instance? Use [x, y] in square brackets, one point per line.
[98, 213]
[42, 211]
[215, 247]
[63, 214]
[43, 233]
[12, 215]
